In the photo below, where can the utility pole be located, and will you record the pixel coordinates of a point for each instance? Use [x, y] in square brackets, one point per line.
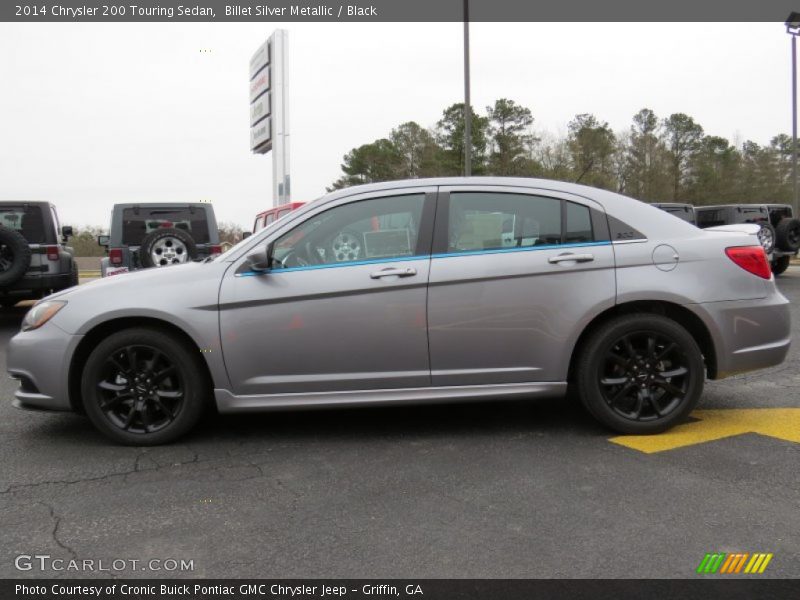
[467, 105]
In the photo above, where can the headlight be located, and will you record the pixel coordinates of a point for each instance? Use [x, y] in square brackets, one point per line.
[41, 314]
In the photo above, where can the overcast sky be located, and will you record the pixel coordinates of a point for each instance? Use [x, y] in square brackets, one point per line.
[92, 114]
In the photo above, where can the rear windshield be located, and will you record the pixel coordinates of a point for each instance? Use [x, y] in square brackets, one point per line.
[682, 212]
[137, 223]
[26, 220]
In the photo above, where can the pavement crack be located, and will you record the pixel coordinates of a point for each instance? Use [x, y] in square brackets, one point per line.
[54, 532]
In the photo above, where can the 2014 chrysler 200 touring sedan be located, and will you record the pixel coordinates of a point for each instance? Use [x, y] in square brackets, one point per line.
[417, 291]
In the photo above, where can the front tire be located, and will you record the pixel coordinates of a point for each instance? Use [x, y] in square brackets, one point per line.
[640, 374]
[144, 387]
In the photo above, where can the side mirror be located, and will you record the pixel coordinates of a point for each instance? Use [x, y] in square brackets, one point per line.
[102, 240]
[259, 260]
[246, 234]
[66, 232]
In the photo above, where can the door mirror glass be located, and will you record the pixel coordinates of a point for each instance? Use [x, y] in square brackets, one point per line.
[102, 240]
[246, 234]
[66, 231]
[258, 260]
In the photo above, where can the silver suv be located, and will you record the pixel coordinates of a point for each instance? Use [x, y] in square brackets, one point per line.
[34, 258]
[158, 234]
[417, 291]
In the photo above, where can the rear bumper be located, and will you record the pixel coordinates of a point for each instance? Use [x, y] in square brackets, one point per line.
[40, 359]
[747, 334]
[36, 287]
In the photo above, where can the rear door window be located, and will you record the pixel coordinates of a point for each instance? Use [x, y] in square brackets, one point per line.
[497, 221]
[137, 223]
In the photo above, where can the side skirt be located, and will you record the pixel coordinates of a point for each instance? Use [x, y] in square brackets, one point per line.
[230, 403]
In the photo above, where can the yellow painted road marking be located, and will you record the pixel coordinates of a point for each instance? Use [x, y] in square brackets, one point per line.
[716, 424]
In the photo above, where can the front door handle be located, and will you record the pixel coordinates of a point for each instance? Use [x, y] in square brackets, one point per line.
[571, 257]
[392, 272]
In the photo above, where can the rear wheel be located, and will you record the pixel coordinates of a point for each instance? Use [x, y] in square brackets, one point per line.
[640, 374]
[143, 387]
[780, 264]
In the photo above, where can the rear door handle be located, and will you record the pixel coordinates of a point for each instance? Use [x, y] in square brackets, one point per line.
[392, 272]
[571, 257]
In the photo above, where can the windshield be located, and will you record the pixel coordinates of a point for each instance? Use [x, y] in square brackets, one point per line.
[138, 222]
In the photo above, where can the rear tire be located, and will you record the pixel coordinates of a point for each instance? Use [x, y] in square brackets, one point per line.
[144, 387]
[787, 234]
[640, 374]
[74, 278]
[780, 264]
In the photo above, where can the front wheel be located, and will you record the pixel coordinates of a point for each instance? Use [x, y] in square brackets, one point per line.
[640, 374]
[143, 387]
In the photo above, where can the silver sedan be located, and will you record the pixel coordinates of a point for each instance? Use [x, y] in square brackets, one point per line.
[417, 291]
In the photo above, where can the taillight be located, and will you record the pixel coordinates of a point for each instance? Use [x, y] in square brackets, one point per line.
[751, 258]
[216, 249]
[52, 253]
[115, 256]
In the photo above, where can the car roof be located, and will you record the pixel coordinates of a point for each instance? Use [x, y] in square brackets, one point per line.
[163, 204]
[716, 206]
[31, 202]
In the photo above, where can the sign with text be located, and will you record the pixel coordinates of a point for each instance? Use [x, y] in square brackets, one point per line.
[260, 136]
[259, 109]
[260, 59]
[259, 85]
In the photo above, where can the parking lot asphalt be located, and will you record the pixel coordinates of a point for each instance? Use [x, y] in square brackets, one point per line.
[506, 489]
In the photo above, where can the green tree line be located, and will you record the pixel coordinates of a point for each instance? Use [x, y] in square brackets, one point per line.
[669, 159]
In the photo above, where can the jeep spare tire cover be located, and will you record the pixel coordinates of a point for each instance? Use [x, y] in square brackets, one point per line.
[787, 234]
[15, 256]
[167, 246]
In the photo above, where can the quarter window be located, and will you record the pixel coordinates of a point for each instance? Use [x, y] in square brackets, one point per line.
[380, 228]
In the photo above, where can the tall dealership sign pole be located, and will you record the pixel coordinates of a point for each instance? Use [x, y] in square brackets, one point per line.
[793, 28]
[269, 110]
[467, 105]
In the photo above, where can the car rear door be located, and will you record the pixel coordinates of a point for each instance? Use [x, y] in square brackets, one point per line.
[344, 309]
[516, 274]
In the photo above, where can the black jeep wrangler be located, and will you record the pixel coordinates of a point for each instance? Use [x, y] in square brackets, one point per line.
[679, 209]
[158, 234]
[34, 258]
[779, 233]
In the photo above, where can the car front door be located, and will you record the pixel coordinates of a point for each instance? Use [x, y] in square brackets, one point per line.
[516, 274]
[343, 306]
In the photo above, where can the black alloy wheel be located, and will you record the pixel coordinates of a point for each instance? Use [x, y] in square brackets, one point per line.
[141, 390]
[144, 386]
[644, 376]
[640, 373]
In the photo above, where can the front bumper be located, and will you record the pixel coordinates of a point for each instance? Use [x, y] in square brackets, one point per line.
[747, 334]
[40, 359]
